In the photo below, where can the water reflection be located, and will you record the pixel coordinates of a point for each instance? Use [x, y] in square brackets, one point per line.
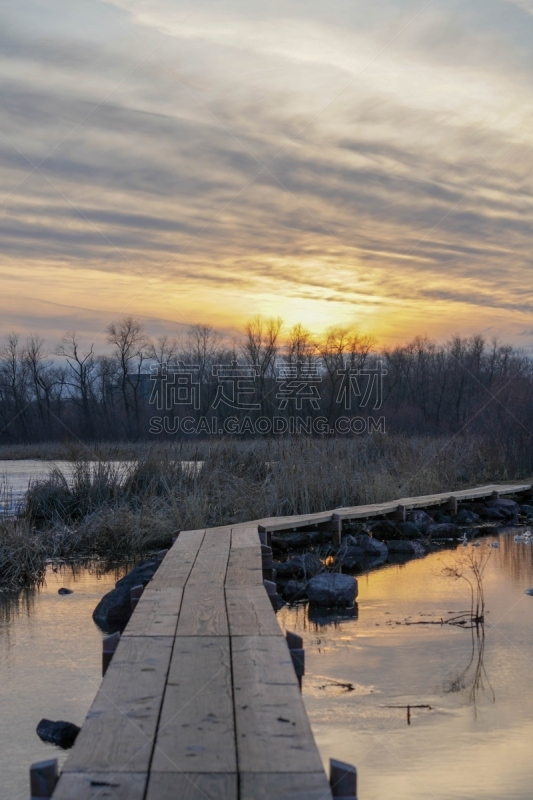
[473, 679]
[50, 663]
[367, 673]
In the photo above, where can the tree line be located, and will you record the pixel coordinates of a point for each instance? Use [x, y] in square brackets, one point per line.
[423, 387]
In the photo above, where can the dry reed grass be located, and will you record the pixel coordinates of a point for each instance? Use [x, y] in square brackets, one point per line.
[120, 510]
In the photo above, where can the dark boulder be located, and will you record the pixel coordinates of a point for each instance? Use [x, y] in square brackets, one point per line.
[279, 543]
[466, 517]
[307, 565]
[384, 529]
[320, 537]
[370, 547]
[492, 514]
[351, 558]
[284, 569]
[294, 590]
[502, 502]
[421, 519]
[65, 591]
[331, 589]
[445, 530]
[411, 549]
[408, 530]
[296, 541]
[441, 517]
[61, 733]
[526, 510]
[114, 609]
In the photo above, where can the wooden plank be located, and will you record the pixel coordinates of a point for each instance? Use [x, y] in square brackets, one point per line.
[375, 509]
[121, 724]
[196, 732]
[250, 612]
[203, 611]
[273, 731]
[212, 559]
[288, 786]
[245, 566]
[269, 659]
[179, 561]
[203, 607]
[299, 521]
[244, 537]
[156, 613]
[192, 786]
[103, 786]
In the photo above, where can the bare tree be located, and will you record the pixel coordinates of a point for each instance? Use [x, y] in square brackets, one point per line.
[130, 350]
[80, 377]
[260, 350]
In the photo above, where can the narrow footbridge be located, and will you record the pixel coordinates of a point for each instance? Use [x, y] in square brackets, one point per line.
[201, 699]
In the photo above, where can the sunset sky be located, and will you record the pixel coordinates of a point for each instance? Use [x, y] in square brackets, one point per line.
[340, 162]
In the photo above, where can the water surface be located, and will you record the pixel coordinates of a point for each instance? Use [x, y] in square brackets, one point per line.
[50, 666]
[476, 741]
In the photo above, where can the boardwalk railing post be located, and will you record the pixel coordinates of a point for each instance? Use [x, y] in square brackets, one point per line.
[296, 649]
[272, 592]
[109, 645]
[265, 536]
[343, 780]
[135, 595]
[43, 778]
[452, 505]
[337, 531]
[266, 562]
[400, 514]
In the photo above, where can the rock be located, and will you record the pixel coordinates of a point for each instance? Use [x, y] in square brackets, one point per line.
[441, 517]
[351, 557]
[408, 530]
[466, 517]
[60, 733]
[331, 589]
[413, 549]
[307, 565]
[294, 590]
[370, 547]
[445, 530]
[114, 609]
[384, 529]
[493, 514]
[320, 537]
[296, 541]
[526, 510]
[279, 543]
[421, 519]
[65, 591]
[284, 569]
[502, 502]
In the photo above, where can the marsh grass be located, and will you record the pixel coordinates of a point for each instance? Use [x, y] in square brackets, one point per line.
[119, 509]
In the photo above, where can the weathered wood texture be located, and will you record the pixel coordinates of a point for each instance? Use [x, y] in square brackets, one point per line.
[192, 786]
[250, 612]
[196, 731]
[100, 786]
[201, 700]
[120, 728]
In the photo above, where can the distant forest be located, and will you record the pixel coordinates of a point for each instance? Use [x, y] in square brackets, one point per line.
[143, 387]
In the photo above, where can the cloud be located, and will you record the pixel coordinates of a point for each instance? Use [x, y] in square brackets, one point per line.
[264, 158]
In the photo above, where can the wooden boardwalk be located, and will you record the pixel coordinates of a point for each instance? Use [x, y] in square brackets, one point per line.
[201, 700]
